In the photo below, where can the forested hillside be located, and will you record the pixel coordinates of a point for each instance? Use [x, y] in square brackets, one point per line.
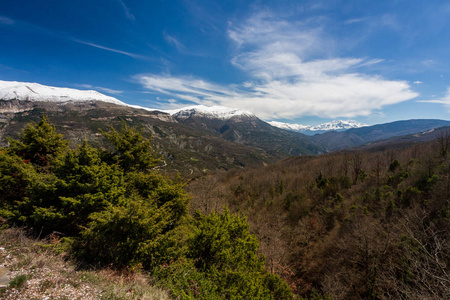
[348, 225]
[112, 208]
[344, 225]
[186, 150]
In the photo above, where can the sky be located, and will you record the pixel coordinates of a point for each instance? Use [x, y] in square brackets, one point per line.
[304, 62]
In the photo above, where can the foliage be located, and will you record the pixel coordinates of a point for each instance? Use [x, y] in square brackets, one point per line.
[349, 225]
[116, 210]
[39, 143]
[395, 165]
[137, 233]
[222, 262]
[18, 281]
[132, 151]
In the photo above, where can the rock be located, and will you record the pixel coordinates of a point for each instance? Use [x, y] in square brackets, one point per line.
[4, 278]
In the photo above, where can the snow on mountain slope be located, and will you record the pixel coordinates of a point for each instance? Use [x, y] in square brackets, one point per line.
[337, 125]
[219, 112]
[13, 90]
[292, 127]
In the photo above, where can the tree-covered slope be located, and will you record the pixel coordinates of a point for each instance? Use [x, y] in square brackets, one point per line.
[349, 225]
[114, 209]
[187, 150]
[251, 131]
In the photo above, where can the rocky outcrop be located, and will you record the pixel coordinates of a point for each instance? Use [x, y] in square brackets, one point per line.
[15, 106]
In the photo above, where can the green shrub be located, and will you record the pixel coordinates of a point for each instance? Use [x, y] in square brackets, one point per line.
[345, 182]
[18, 281]
[223, 247]
[133, 152]
[137, 233]
[39, 143]
[395, 165]
[221, 262]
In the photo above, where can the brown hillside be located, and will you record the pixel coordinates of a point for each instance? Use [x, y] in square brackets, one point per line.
[348, 225]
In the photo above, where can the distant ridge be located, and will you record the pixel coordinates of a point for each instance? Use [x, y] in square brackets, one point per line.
[334, 140]
[217, 112]
[336, 125]
[207, 136]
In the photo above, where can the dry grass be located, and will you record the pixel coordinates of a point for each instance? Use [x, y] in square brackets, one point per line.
[37, 271]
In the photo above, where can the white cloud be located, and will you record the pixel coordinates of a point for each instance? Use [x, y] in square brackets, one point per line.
[186, 85]
[292, 74]
[417, 82]
[174, 42]
[128, 14]
[348, 95]
[133, 55]
[428, 63]
[443, 100]
[356, 20]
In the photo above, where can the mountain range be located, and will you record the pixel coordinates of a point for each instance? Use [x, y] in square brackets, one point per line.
[332, 140]
[335, 125]
[193, 139]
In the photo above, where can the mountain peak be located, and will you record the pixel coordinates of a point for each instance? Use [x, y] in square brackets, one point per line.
[217, 112]
[30, 91]
[337, 125]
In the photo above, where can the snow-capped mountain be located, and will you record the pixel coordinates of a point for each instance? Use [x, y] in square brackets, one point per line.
[217, 112]
[288, 126]
[336, 125]
[28, 91]
[244, 128]
[13, 90]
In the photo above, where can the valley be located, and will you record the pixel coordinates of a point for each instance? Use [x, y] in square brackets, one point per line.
[347, 225]
[359, 213]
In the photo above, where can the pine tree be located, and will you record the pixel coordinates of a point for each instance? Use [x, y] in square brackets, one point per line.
[39, 143]
[133, 152]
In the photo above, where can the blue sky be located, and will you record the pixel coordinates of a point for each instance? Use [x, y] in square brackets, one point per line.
[302, 62]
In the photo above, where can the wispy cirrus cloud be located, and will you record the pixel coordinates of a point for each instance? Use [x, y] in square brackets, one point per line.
[356, 20]
[6, 21]
[185, 88]
[128, 14]
[174, 42]
[291, 73]
[99, 88]
[133, 55]
[445, 100]
[64, 36]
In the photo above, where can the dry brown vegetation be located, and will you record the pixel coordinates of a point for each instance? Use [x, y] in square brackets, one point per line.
[36, 270]
[348, 225]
